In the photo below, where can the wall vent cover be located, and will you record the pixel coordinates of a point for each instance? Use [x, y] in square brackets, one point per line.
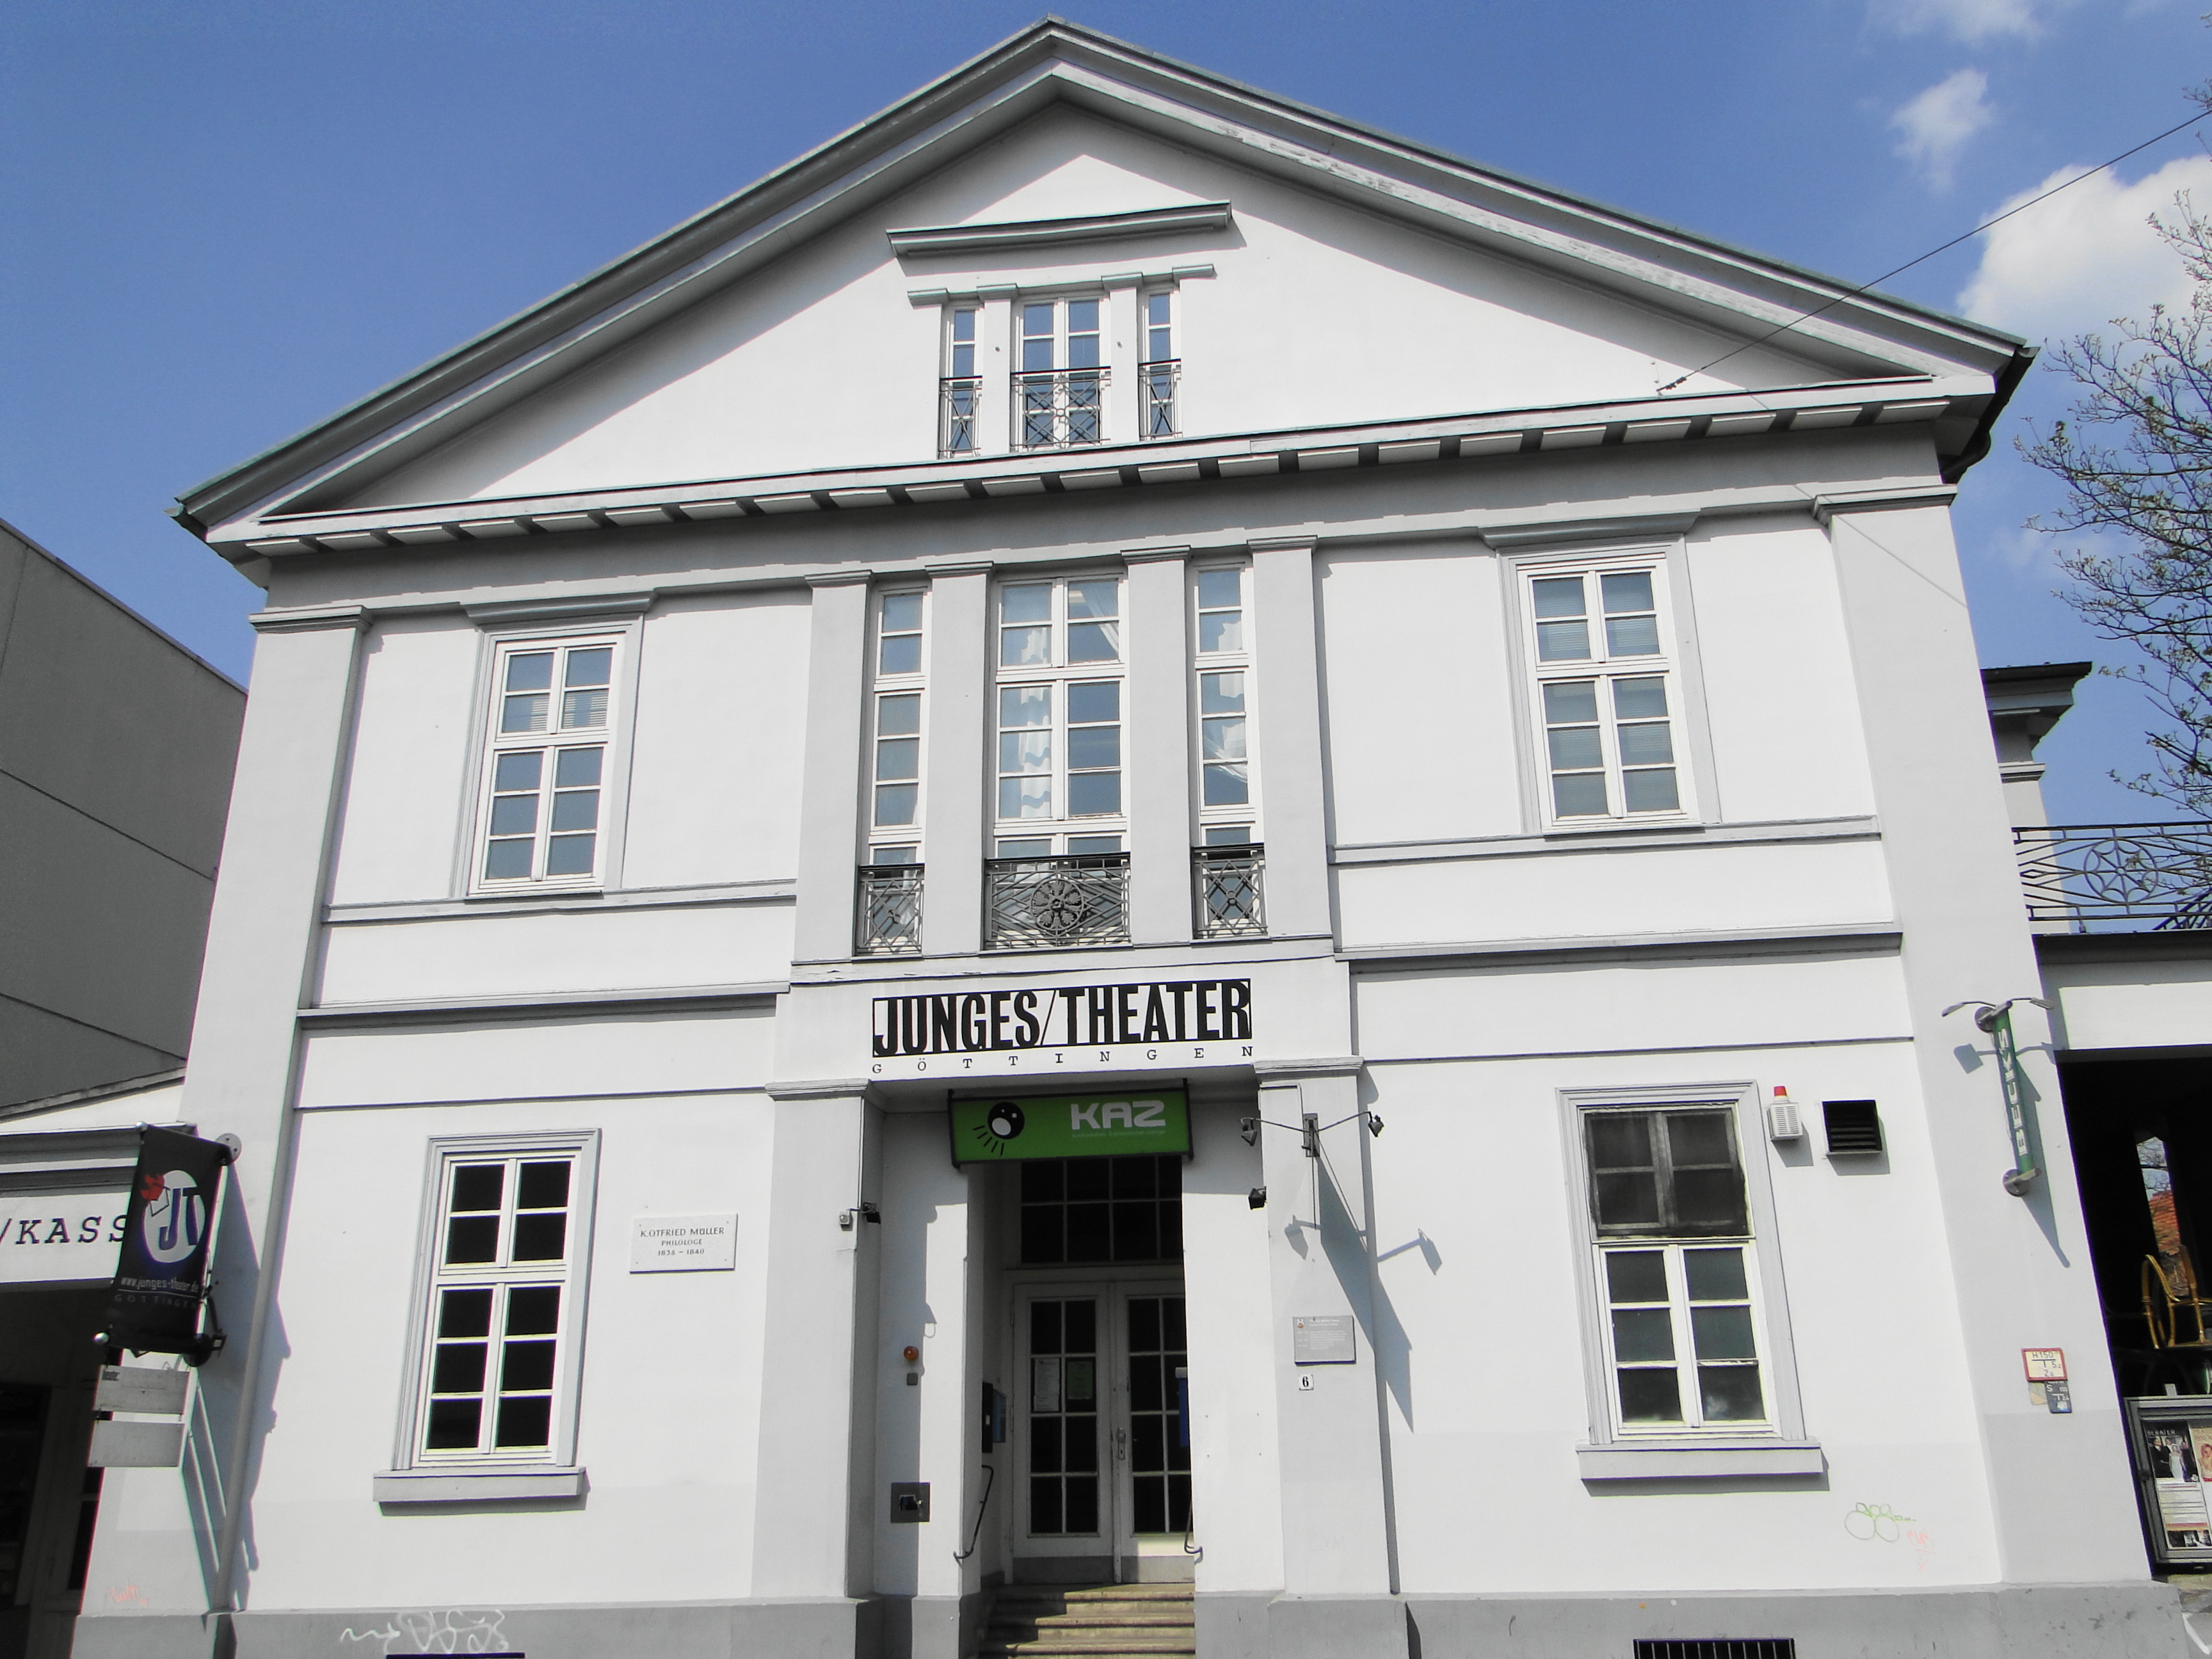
[1854, 1127]
[1719, 1647]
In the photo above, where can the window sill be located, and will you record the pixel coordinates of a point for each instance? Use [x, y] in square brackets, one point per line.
[1691, 1459]
[512, 1484]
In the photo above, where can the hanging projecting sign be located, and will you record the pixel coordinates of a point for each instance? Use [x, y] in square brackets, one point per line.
[51, 1237]
[1033, 1031]
[160, 1272]
[1071, 1126]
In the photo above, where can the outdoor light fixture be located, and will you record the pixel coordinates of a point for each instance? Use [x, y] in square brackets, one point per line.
[1374, 1126]
[1996, 1019]
[1257, 1198]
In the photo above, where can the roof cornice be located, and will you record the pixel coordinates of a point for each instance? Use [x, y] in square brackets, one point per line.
[1815, 409]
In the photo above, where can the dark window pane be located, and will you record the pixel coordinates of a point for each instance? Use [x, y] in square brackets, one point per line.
[1630, 1198]
[477, 1186]
[1144, 1324]
[459, 1368]
[1171, 1321]
[1731, 1393]
[455, 1425]
[1136, 1177]
[1699, 1138]
[533, 1311]
[1620, 1140]
[542, 1185]
[540, 1237]
[1082, 1503]
[472, 1238]
[1145, 1386]
[1178, 1503]
[1137, 1231]
[1170, 1175]
[1080, 1380]
[1042, 1234]
[1044, 1505]
[1641, 1333]
[1178, 1454]
[1081, 1445]
[1709, 1201]
[1088, 1238]
[1044, 1327]
[1147, 1445]
[1722, 1333]
[1044, 1445]
[1715, 1276]
[1150, 1511]
[1042, 1180]
[465, 1313]
[1635, 1276]
[1083, 1326]
[1086, 1177]
[526, 1365]
[1650, 1397]
[524, 1422]
[1171, 1238]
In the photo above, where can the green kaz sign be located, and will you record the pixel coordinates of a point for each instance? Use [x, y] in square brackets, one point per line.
[1071, 1126]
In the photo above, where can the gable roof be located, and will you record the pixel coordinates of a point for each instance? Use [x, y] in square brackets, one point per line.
[1855, 335]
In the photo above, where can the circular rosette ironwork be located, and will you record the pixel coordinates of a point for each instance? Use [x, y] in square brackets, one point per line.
[1059, 906]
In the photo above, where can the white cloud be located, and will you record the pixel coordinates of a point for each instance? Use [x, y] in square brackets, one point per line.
[1935, 127]
[2069, 266]
[1970, 21]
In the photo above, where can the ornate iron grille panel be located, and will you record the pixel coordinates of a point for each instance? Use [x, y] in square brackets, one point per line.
[1229, 897]
[956, 400]
[1061, 408]
[1157, 383]
[1031, 904]
[890, 908]
[2080, 873]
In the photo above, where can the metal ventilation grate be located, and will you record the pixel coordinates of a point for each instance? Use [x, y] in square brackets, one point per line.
[1719, 1647]
[1854, 1127]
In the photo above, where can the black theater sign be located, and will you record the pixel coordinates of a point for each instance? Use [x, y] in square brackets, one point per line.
[1042, 1029]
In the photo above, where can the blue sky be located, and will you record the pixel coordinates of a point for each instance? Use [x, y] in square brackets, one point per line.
[221, 221]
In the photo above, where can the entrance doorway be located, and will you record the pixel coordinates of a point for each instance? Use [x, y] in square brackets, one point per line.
[48, 1498]
[1102, 1442]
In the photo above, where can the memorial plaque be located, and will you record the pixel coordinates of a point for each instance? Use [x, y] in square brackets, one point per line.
[683, 1243]
[1323, 1340]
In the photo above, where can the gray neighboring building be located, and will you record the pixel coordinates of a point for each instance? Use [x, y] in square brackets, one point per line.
[116, 751]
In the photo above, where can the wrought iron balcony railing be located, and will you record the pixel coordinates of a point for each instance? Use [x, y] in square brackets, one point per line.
[1034, 905]
[1059, 410]
[2116, 875]
[1156, 384]
[890, 909]
[1230, 900]
[956, 403]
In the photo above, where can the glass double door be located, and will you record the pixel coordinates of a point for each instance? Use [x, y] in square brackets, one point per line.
[1103, 1451]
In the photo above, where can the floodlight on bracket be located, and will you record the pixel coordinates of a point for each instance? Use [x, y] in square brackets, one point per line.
[1310, 1130]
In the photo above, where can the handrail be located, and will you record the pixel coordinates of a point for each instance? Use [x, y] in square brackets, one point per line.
[990, 1479]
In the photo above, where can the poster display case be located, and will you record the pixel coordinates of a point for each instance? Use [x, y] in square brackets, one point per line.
[2170, 1439]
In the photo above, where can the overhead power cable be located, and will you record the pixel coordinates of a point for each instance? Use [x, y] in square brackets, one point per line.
[1852, 294]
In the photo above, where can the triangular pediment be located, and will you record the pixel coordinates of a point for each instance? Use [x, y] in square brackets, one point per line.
[1323, 275]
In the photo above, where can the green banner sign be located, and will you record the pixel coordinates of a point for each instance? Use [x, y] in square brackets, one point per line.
[1071, 1126]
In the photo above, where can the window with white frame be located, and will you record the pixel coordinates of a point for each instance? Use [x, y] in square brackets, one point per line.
[1223, 659]
[1060, 710]
[959, 387]
[1059, 390]
[1162, 368]
[1677, 1270]
[895, 788]
[546, 773]
[1606, 693]
[508, 1246]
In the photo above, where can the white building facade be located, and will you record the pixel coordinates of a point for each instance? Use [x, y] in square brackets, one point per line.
[1100, 604]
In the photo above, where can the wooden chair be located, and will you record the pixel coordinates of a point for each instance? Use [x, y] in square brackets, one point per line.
[2173, 1301]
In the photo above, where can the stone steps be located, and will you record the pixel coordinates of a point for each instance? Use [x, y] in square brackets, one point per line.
[1090, 1621]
